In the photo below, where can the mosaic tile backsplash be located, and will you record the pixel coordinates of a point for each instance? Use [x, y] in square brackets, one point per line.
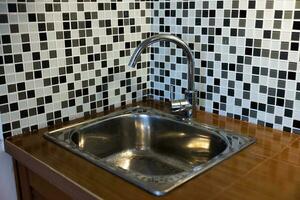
[62, 59]
[247, 57]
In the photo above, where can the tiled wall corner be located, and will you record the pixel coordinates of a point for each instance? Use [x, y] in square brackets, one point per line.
[62, 59]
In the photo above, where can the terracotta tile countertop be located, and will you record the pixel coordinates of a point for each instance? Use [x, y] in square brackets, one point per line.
[268, 169]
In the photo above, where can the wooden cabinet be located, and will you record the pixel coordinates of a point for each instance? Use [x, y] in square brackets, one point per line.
[31, 186]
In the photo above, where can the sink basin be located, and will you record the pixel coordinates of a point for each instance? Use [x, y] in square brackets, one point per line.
[149, 148]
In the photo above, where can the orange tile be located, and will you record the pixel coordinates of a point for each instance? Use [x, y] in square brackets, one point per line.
[223, 175]
[291, 154]
[269, 181]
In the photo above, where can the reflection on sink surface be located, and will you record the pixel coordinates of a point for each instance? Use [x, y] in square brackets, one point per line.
[149, 148]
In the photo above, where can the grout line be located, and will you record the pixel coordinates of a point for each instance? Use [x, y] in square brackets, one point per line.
[254, 168]
[286, 162]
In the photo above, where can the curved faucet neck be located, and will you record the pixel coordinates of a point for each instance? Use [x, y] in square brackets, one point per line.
[168, 38]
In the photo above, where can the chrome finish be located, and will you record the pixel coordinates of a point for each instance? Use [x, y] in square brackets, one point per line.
[182, 108]
[190, 93]
[149, 148]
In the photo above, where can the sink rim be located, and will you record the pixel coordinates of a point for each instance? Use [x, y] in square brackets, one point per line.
[130, 176]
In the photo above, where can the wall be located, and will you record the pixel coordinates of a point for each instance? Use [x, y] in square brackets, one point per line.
[7, 181]
[60, 60]
[247, 57]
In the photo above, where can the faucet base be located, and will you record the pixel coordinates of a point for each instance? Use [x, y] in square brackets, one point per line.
[182, 108]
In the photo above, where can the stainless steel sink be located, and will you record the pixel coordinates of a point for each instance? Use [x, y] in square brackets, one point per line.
[149, 148]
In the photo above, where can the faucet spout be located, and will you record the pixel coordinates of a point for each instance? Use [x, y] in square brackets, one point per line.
[189, 94]
[168, 38]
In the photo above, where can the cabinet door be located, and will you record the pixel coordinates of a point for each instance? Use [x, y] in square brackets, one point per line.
[32, 186]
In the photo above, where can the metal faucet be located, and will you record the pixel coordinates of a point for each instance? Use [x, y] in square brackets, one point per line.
[183, 107]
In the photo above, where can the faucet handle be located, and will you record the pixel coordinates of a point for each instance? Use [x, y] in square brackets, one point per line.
[190, 96]
[182, 108]
[172, 92]
[179, 105]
